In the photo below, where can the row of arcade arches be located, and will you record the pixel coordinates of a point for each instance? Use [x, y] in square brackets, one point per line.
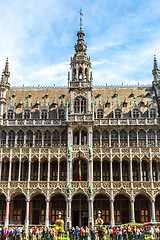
[79, 207]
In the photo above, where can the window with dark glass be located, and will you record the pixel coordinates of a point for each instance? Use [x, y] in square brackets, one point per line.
[105, 138]
[153, 113]
[123, 138]
[96, 171]
[114, 138]
[151, 138]
[132, 138]
[10, 114]
[116, 171]
[99, 113]
[142, 138]
[27, 114]
[61, 114]
[44, 114]
[135, 113]
[135, 170]
[117, 113]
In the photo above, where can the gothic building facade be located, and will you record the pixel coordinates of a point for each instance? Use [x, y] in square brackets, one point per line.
[79, 150]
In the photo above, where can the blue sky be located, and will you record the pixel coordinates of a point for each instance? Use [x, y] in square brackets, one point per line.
[38, 37]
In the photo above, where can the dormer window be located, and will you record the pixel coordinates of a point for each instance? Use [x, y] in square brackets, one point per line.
[135, 113]
[27, 114]
[10, 114]
[44, 114]
[61, 114]
[117, 113]
[99, 113]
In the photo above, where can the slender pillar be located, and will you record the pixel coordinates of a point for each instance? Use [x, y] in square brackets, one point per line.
[131, 173]
[155, 139]
[111, 169]
[68, 213]
[140, 162]
[109, 139]
[27, 213]
[10, 166]
[19, 173]
[25, 138]
[7, 212]
[0, 169]
[29, 167]
[47, 213]
[58, 170]
[118, 139]
[39, 169]
[112, 212]
[42, 139]
[132, 211]
[90, 208]
[127, 139]
[34, 139]
[7, 139]
[153, 211]
[101, 164]
[16, 138]
[121, 170]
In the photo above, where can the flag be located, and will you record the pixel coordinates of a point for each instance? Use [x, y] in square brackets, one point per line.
[79, 169]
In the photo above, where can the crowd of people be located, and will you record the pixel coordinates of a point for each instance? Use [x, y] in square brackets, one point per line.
[81, 233]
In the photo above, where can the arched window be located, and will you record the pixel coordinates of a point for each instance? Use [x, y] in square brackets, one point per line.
[123, 138]
[155, 170]
[125, 170]
[44, 170]
[76, 137]
[117, 113]
[106, 170]
[135, 113]
[54, 170]
[80, 104]
[11, 138]
[10, 114]
[20, 139]
[116, 171]
[34, 171]
[61, 114]
[47, 138]
[96, 171]
[27, 114]
[3, 138]
[38, 140]
[80, 74]
[145, 168]
[151, 138]
[142, 138]
[56, 138]
[15, 170]
[96, 138]
[114, 138]
[153, 113]
[64, 138]
[99, 113]
[63, 171]
[80, 170]
[105, 138]
[132, 138]
[29, 140]
[84, 136]
[44, 114]
[135, 170]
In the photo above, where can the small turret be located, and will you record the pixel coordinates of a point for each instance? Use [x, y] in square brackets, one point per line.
[4, 86]
[155, 71]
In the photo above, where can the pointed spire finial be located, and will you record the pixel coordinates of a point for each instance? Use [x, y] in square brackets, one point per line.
[80, 20]
[155, 63]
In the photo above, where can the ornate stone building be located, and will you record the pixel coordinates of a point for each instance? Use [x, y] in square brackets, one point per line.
[79, 149]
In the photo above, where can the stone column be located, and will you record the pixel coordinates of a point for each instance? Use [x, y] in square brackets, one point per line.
[137, 139]
[109, 139]
[10, 166]
[7, 212]
[121, 178]
[112, 212]
[49, 166]
[111, 169]
[100, 139]
[58, 170]
[25, 138]
[140, 162]
[119, 139]
[47, 213]
[151, 173]
[131, 174]
[16, 138]
[90, 214]
[27, 213]
[101, 165]
[127, 139]
[68, 212]
[153, 211]
[34, 139]
[132, 211]
[39, 169]
[146, 139]
[0, 169]
[19, 173]
[29, 167]
[155, 139]
[43, 140]
[7, 139]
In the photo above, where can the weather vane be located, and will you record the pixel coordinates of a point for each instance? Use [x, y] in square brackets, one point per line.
[81, 14]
